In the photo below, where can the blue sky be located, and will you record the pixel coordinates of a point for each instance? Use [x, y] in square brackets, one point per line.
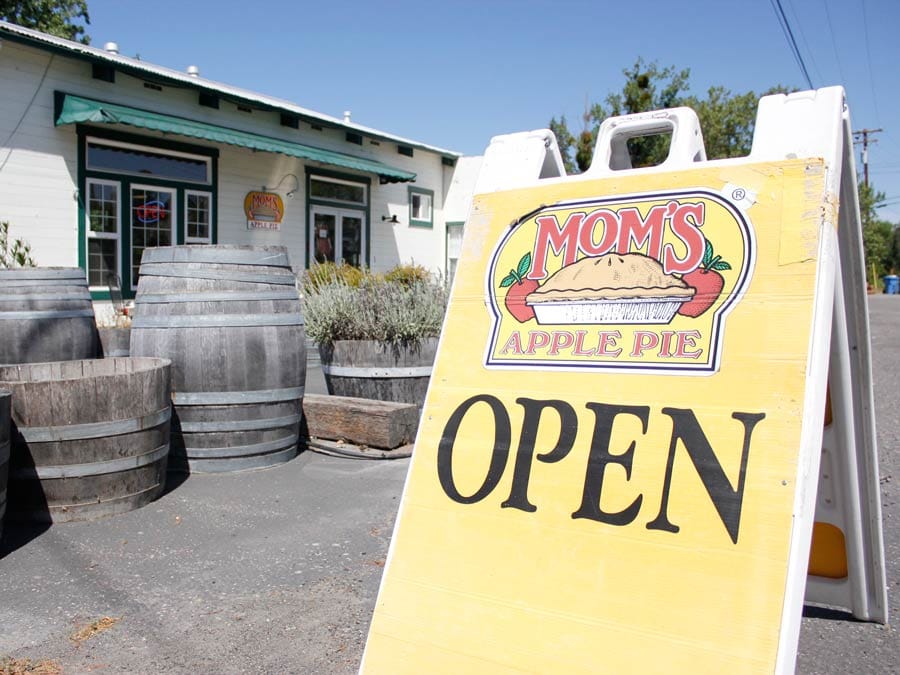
[455, 73]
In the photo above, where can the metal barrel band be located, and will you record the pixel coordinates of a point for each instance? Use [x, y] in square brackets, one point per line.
[217, 320]
[72, 432]
[242, 450]
[92, 468]
[240, 463]
[44, 273]
[177, 272]
[4, 452]
[81, 296]
[381, 373]
[216, 296]
[216, 256]
[47, 314]
[237, 397]
[50, 283]
[239, 425]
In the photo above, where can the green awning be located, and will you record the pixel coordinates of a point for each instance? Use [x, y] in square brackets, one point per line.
[72, 109]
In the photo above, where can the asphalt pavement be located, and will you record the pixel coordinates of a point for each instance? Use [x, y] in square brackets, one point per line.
[276, 571]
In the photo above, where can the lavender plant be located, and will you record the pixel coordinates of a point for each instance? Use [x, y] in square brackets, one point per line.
[378, 308]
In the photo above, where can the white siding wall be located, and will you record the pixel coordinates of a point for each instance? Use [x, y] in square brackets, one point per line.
[38, 165]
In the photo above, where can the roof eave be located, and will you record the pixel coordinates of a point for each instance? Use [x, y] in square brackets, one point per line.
[161, 75]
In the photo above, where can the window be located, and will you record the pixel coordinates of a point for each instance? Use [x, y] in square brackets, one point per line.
[138, 193]
[338, 218]
[136, 160]
[335, 190]
[103, 209]
[152, 217]
[420, 207]
[198, 217]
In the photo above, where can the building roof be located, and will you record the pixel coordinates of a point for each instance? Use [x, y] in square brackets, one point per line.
[162, 75]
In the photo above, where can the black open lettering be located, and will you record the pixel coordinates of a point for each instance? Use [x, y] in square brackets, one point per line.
[599, 458]
[568, 421]
[499, 455]
[727, 500]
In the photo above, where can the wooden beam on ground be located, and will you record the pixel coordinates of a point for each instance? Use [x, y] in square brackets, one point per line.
[361, 421]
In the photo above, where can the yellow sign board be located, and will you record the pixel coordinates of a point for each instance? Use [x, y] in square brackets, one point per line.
[606, 466]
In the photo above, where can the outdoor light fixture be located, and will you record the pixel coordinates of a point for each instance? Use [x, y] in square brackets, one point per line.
[390, 219]
[289, 193]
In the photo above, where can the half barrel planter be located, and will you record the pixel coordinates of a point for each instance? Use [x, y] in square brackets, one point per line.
[5, 398]
[229, 318]
[46, 314]
[90, 438]
[384, 371]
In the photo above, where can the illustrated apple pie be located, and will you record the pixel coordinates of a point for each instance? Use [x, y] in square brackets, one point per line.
[611, 288]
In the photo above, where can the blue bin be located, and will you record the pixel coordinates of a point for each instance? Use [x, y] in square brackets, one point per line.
[891, 284]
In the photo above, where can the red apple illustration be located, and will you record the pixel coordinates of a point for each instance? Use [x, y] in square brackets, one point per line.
[707, 281]
[519, 287]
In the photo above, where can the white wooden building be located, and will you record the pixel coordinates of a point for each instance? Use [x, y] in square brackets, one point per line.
[103, 155]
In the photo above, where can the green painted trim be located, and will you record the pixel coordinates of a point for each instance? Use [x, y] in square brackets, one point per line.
[79, 109]
[80, 188]
[125, 182]
[421, 191]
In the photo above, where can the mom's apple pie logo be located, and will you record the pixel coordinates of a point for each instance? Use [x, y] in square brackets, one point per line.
[642, 282]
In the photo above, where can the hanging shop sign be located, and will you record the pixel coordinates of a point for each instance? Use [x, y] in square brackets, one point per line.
[264, 210]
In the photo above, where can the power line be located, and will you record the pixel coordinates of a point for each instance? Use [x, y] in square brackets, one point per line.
[792, 42]
[833, 41]
[869, 60]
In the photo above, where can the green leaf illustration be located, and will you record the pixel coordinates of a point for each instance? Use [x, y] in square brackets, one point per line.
[721, 265]
[524, 265]
[508, 280]
[707, 254]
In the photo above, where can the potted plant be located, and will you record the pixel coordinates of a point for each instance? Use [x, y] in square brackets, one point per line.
[376, 333]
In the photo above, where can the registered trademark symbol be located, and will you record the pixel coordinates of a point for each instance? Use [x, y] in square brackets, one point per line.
[738, 194]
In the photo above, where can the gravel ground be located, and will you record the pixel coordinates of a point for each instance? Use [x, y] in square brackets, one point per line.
[276, 571]
[271, 571]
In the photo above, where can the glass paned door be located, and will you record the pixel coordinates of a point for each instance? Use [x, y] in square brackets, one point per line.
[324, 225]
[152, 219]
[338, 235]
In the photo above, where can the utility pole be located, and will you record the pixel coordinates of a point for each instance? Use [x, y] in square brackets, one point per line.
[864, 135]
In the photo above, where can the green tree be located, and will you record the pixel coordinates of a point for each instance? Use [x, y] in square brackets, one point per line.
[56, 17]
[727, 119]
[881, 239]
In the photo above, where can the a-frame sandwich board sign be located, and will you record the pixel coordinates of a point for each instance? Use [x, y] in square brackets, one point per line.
[617, 463]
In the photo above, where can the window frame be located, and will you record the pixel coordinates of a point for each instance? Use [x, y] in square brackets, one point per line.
[92, 234]
[174, 218]
[125, 181]
[331, 178]
[424, 192]
[185, 209]
[122, 145]
[364, 208]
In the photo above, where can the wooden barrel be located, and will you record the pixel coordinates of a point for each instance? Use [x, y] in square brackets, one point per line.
[5, 396]
[229, 319]
[46, 314]
[379, 370]
[90, 438]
